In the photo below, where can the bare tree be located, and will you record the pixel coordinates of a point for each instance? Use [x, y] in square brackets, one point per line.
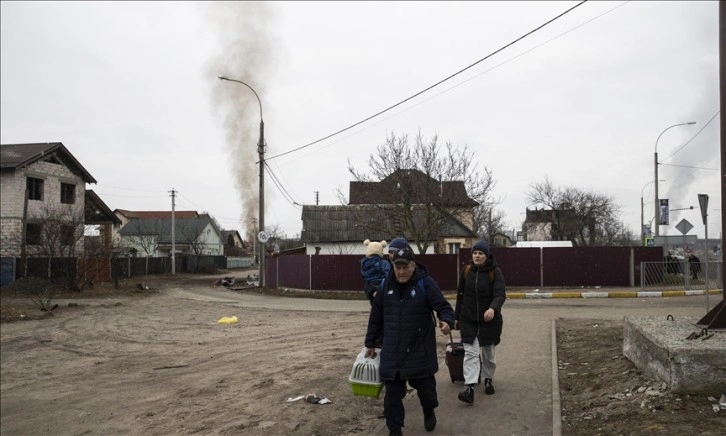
[488, 220]
[58, 232]
[583, 217]
[145, 237]
[342, 249]
[414, 202]
[196, 240]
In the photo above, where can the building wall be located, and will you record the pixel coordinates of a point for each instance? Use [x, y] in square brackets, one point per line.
[537, 231]
[12, 185]
[211, 241]
[11, 213]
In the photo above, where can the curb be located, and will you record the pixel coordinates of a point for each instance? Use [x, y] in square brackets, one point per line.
[607, 294]
[556, 401]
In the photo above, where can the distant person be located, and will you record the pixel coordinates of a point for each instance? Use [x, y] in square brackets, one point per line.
[479, 299]
[672, 265]
[373, 268]
[402, 313]
[695, 264]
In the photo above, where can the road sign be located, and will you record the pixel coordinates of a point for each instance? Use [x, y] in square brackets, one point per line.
[263, 237]
[684, 226]
[703, 202]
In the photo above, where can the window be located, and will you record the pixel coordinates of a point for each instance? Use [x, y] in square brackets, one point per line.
[32, 233]
[68, 193]
[454, 248]
[35, 188]
[67, 235]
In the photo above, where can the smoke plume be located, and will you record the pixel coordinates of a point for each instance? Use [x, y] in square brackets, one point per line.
[244, 53]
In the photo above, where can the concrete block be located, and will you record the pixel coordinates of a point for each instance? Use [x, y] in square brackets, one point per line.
[660, 348]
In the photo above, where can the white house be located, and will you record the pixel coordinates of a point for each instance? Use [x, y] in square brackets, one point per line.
[153, 237]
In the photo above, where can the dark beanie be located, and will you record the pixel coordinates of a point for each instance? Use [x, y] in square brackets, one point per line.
[398, 244]
[482, 246]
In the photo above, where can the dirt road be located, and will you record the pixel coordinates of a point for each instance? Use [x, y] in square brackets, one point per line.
[163, 365]
[160, 364]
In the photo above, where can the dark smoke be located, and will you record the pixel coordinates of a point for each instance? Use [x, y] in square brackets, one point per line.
[245, 53]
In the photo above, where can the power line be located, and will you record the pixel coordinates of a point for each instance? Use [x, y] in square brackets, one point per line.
[100, 193]
[686, 166]
[693, 137]
[282, 190]
[129, 189]
[572, 29]
[435, 84]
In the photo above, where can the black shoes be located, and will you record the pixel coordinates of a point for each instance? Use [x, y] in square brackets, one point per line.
[429, 423]
[429, 419]
[488, 387]
[467, 395]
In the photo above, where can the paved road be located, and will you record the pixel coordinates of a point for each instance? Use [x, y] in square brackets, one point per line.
[524, 403]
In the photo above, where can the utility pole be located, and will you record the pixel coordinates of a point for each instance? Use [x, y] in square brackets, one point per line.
[254, 240]
[722, 116]
[261, 151]
[317, 198]
[173, 238]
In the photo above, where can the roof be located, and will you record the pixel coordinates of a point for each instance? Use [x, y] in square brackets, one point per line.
[360, 222]
[15, 156]
[158, 215]
[185, 229]
[547, 215]
[233, 233]
[543, 244]
[96, 211]
[418, 187]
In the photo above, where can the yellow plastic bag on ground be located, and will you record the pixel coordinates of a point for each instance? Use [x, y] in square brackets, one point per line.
[227, 320]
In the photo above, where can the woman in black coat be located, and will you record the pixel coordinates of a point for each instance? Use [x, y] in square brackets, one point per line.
[478, 314]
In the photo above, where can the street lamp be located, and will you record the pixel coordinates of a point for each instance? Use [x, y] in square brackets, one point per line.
[657, 205]
[642, 218]
[261, 152]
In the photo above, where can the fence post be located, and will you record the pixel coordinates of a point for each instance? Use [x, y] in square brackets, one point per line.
[541, 268]
[632, 267]
[310, 272]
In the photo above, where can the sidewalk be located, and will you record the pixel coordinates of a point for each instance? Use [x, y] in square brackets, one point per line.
[527, 387]
[607, 293]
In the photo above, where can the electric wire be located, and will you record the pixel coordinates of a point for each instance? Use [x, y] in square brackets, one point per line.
[331, 143]
[435, 84]
[686, 166]
[280, 188]
[692, 138]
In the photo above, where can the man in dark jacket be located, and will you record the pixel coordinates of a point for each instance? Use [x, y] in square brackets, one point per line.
[479, 301]
[402, 312]
[695, 265]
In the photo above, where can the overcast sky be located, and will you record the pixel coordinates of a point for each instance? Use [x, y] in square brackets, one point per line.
[131, 89]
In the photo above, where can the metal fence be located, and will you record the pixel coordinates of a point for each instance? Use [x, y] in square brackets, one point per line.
[555, 267]
[680, 275]
[63, 270]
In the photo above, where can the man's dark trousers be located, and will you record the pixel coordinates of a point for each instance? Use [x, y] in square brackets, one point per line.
[396, 390]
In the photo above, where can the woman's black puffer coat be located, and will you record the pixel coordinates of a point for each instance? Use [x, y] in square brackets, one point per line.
[476, 294]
